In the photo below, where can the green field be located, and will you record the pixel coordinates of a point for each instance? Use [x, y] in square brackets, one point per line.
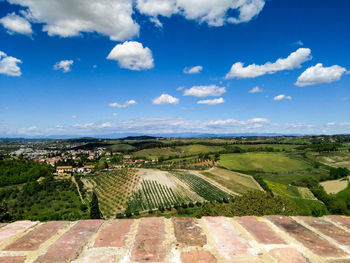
[153, 195]
[238, 183]
[201, 187]
[267, 162]
[290, 191]
[178, 150]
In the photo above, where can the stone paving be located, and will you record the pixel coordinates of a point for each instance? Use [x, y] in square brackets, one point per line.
[156, 239]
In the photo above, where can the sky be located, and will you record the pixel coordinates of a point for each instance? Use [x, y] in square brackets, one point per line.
[102, 67]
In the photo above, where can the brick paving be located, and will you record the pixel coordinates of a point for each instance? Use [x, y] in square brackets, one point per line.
[187, 240]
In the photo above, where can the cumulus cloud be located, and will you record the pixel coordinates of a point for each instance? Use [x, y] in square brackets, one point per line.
[255, 90]
[125, 105]
[282, 97]
[318, 74]
[214, 13]
[165, 99]
[9, 65]
[132, 55]
[16, 24]
[294, 60]
[64, 65]
[70, 18]
[193, 70]
[211, 102]
[205, 91]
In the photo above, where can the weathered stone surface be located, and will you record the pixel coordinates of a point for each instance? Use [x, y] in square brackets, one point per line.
[68, 246]
[12, 259]
[188, 232]
[288, 255]
[114, 233]
[14, 229]
[97, 257]
[33, 239]
[260, 230]
[328, 229]
[197, 256]
[148, 245]
[305, 236]
[341, 220]
[227, 239]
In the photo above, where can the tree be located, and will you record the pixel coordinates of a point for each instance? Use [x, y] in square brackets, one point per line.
[95, 212]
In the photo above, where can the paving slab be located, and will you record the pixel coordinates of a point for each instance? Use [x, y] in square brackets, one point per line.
[188, 232]
[308, 238]
[261, 231]
[148, 244]
[33, 239]
[69, 246]
[114, 233]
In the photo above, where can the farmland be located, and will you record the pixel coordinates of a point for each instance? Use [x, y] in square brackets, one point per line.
[178, 151]
[335, 186]
[268, 162]
[200, 186]
[237, 182]
[114, 189]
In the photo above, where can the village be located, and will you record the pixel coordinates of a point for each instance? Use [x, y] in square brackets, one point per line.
[68, 162]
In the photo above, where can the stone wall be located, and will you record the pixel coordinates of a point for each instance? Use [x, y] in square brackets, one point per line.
[210, 239]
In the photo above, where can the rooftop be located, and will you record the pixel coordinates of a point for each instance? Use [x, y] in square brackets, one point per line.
[210, 239]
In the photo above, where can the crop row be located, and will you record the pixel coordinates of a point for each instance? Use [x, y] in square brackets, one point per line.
[152, 195]
[201, 187]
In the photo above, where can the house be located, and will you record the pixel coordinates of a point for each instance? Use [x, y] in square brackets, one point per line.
[64, 170]
[89, 168]
[86, 169]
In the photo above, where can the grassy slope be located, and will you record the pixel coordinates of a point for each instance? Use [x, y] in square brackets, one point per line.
[268, 162]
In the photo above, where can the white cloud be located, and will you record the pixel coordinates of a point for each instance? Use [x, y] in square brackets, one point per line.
[282, 97]
[126, 104]
[318, 74]
[115, 114]
[205, 91]
[211, 102]
[67, 18]
[180, 88]
[256, 90]
[294, 60]
[299, 43]
[74, 117]
[16, 24]
[214, 13]
[8, 65]
[64, 65]
[132, 55]
[165, 99]
[164, 125]
[193, 70]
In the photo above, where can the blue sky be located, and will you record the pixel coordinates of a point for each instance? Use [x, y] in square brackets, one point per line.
[113, 63]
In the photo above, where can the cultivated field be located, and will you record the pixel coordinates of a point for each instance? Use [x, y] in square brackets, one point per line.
[236, 182]
[290, 191]
[200, 186]
[335, 186]
[267, 162]
[178, 150]
[113, 189]
[159, 189]
[340, 159]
